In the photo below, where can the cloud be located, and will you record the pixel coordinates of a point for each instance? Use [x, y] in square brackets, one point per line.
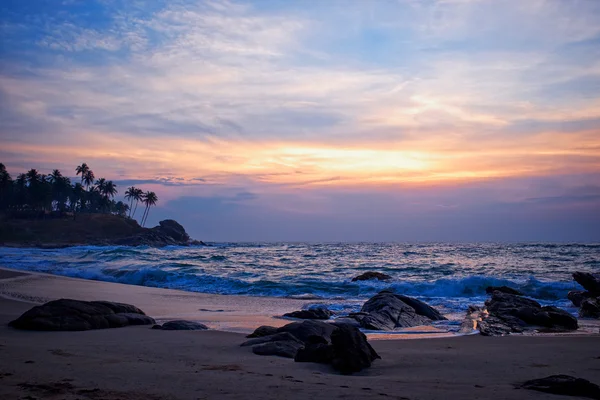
[213, 99]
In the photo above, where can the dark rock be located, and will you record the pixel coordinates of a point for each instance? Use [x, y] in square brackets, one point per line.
[503, 289]
[590, 308]
[76, 315]
[577, 296]
[351, 351]
[263, 330]
[281, 348]
[564, 385]
[181, 325]
[509, 313]
[197, 243]
[372, 275]
[590, 282]
[173, 229]
[312, 313]
[494, 326]
[386, 311]
[305, 329]
[317, 353]
[422, 308]
[282, 336]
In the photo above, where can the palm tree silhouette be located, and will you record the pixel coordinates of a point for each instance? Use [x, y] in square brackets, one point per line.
[82, 169]
[88, 178]
[149, 200]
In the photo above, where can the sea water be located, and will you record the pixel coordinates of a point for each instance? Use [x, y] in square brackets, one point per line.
[447, 276]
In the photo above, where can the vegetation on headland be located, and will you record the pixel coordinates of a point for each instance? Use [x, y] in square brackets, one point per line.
[38, 196]
[51, 211]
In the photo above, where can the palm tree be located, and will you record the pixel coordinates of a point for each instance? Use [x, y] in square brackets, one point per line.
[138, 196]
[130, 194]
[82, 169]
[110, 189]
[149, 200]
[88, 178]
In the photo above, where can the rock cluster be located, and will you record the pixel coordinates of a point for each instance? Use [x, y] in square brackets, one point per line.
[509, 313]
[587, 300]
[341, 345]
[386, 311]
[168, 233]
[76, 315]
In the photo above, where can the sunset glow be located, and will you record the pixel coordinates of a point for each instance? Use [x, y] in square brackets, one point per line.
[273, 106]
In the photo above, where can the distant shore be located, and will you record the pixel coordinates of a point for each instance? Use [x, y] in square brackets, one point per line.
[92, 229]
[140, 363]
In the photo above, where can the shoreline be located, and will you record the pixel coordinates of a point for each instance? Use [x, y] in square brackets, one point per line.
[226, 313]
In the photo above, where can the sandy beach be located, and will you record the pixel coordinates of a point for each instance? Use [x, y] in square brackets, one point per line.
[140, 363]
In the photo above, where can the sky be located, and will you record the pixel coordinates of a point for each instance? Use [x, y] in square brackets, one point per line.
[354, 120]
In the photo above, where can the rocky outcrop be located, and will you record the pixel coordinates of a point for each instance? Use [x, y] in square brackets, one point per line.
[590, 308]
[94, 229]
[311, 313]
[371, 275]
[167, 233]
[590, 282]
[510, 313]
[76, 315]
[564, 385]
[181, 325]
[503, 289]
[588, 300]
[341, 345]
[386, 311]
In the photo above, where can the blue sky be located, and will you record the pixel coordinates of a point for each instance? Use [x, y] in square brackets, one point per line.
[405, 120]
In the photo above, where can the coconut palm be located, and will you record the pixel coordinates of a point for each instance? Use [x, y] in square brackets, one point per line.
[149, 200]
[138, 196]
[110, 189]
[88, 178]
[82, 169]
[131, 194]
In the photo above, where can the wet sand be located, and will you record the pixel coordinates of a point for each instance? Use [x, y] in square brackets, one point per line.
[140, 363]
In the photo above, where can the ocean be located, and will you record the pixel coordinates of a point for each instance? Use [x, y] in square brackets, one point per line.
[447, 276]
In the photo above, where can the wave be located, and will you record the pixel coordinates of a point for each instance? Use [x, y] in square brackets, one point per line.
[178, 275]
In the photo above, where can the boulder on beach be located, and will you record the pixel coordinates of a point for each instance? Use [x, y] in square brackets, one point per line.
[509, 313]
[341, 345]
[370, 275]
[387, 310]
[181, 325]
[281, 348]
[351, 351]
[564, 385]
[263, 330]
[305, 329]
[277, 337]
[503, 289]
[311, 313]
[77, 315]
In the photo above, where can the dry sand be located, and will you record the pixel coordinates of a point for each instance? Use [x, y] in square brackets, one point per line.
[140, 363]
